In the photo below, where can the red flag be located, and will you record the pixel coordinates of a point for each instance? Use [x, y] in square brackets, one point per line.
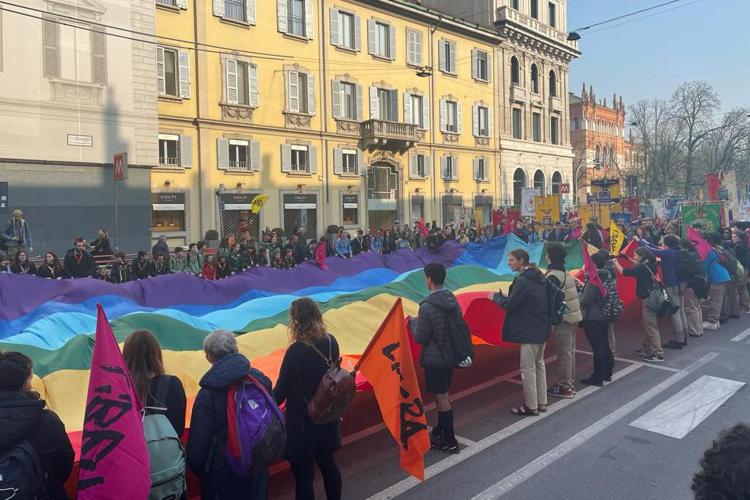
[703, 247]
[589, 269]
[714, 185]
[388, 365]
[320, 256]
[114, 458]
[422, 228]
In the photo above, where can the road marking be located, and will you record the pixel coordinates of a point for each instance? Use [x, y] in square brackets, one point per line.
[635, 362]
[407, 484]
[539, 464]
[742, 336]
[684, 411]
[466, 441]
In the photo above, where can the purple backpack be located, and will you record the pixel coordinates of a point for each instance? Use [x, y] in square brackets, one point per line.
[255, 428]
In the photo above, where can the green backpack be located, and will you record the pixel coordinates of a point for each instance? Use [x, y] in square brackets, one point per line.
[165, 450]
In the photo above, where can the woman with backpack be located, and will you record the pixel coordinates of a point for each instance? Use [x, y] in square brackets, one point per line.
[644, 272]
[305, 363]
[718, 278]
[596, 323]
[29, 429]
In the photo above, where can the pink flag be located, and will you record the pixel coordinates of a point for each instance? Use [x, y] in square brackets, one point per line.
[320, 256]
[699, 243]
[589, 269]
[114, 459]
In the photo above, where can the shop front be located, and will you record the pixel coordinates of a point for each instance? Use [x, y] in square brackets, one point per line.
[168, 217]
[350, 210]
[453, 208]
[417, 208]
[301, 209]
[483, 210]
[236, 215]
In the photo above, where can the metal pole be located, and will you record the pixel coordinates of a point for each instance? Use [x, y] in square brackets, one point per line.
[114, 182]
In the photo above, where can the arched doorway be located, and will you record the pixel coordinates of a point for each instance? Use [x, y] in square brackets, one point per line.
[519, 182]
[539, 181]
[383, 194]
[556, 182]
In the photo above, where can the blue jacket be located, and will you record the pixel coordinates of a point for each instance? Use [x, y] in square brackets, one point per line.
[10, 233]
[715, 271]
[343, 247]
[668, 262]
[376, 244]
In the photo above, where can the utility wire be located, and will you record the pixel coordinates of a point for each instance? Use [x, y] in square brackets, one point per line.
[623, 16]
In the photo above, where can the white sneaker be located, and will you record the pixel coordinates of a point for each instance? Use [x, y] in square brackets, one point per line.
[710, 326]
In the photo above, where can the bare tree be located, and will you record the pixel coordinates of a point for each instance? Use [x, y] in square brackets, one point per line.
[725, 147]
[693, 106]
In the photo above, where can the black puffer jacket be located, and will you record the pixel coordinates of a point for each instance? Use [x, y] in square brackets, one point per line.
[431, 328]
[22, 416]
[527, 314]
[592, 300]
[208, 433]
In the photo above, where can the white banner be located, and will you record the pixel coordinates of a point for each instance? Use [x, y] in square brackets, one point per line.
[528, 207]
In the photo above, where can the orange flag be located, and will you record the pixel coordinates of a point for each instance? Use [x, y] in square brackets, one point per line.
[388, 365]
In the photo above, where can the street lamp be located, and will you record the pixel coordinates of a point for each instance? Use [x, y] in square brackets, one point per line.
[573, 36]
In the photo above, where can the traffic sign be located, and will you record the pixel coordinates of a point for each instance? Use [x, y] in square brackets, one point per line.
[120, 164]
[565, 188]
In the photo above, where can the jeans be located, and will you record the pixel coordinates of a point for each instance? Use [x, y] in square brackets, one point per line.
[597, 333]
[565, 338]
[533, 375]
[694, 313]
[304, 476]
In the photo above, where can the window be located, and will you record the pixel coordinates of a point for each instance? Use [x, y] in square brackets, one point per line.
[556, 182]
[347, 101]
[598, 156]
[515, 4]
[300, 161]
[381, 39]
[517, 124]
[447, 56]
[515, 71]
[536, 127]
[449, 167]
[552, 14]
[535, 9]
[386, 105]
[480, 65]
[345, 30]
[235, 10]
[349, 161]
[534, 79]
[519, 182]
[415, 110]
[413, 47]
[552, 84]
[296, 17]
[481, 172]
[241, 83]
[576, 123]
[481, 121]
[242, 11]
[451, 117]
[238, 154]
[173, 72]
[420, 166]
[554, 130]
[74, 54]
[300, 92]
[539, 181]
[168, 150]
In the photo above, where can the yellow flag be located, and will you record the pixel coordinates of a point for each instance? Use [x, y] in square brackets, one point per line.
[616, 238]
[258, 202]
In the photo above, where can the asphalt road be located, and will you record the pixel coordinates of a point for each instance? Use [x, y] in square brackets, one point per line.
[585, 448]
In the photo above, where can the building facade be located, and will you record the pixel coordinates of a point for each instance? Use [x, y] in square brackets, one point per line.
[599, 146]
[532, 113]
[341, 112]
[72, 96]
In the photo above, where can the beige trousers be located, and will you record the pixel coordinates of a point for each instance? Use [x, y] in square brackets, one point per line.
[533, 375]
[651, 336]
[565, 339]
[694, 313]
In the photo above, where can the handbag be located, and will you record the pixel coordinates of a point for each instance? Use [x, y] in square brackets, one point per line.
[658, 299]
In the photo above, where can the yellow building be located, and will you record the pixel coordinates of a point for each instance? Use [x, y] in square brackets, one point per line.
[341, 111]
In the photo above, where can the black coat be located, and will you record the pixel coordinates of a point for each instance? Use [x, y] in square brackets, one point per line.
[140, 269]
[101, 247]
[431, 328]
[22, 416]
[45, 271]
[302, 252]
[18, 269]
[644, 280]
[299, 378]
[175, 402]
[120, 273]
[358, 246]
[527, 314]
[591, 298]
[79, 266]
[208, 433]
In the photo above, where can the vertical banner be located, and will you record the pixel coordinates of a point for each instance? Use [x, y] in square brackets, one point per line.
[616, 238]
[547, 209]
[114, 458]
[708, 215]
[528, 196]
[388, 365]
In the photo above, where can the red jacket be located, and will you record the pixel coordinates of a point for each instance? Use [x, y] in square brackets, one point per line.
[209, 271]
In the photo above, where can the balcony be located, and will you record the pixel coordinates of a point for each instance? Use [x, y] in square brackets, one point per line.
[518, 94]
[555, 103]
[506, 14]
[392, 136]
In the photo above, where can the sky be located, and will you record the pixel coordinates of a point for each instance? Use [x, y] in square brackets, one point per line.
[648, 58]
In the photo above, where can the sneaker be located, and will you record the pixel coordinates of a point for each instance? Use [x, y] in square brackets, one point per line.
[558, 391]
[655, 358]
[710, 326]
[446, 445]
[437, 440]
[641, 352]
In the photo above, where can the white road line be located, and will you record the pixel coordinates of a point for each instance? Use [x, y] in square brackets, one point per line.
[407, 484]
[635, 362]
[466, 441]
[684, 411]
[742, 336]
[526, 472]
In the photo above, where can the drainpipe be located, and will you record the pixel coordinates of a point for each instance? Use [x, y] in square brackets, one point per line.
[324, 112]
[197, 122]
[434, 105]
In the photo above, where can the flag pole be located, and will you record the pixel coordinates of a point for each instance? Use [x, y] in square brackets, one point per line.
[377, 334]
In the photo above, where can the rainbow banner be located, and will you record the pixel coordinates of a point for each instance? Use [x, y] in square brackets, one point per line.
[53, 322]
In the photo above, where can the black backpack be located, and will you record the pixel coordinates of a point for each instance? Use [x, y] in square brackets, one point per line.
[459, 336]
[685, 265]
[556, 299]
[21, 475]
